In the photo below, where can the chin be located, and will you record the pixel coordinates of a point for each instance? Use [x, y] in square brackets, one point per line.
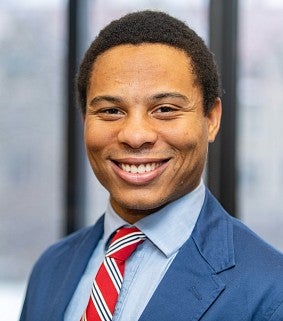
[145, 205]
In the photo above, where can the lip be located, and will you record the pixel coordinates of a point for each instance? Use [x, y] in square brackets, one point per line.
[139, 179]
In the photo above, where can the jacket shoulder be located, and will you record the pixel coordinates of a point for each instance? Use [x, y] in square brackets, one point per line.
[59, 266]
[63, 250]
[250, 268]
[65, 244]
[251, 248]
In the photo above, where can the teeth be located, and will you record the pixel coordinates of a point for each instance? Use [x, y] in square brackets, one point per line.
[140, 169]
[134, 169]
[148, 167]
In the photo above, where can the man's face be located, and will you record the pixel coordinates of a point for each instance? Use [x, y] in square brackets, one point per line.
[145, 131]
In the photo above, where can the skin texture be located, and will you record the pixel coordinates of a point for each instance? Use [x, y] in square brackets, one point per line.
[144, 107]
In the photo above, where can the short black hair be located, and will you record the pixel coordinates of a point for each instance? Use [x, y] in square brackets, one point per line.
[154, 27]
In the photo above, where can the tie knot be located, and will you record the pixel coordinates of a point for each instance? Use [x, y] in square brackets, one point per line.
[124, 242]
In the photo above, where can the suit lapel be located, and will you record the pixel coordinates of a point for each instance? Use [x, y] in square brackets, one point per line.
[192, 282]
[187, 289]
[75, 268]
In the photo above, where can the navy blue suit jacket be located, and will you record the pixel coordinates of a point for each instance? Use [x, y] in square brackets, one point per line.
[223, 272]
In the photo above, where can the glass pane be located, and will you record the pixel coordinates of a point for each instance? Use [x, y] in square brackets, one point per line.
[32, 47]
[260, 146]
[101, 12]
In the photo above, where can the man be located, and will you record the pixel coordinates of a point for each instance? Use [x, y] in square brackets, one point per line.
[149, 93]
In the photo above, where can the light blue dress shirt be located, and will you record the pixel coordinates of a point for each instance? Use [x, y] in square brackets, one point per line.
[166, 232]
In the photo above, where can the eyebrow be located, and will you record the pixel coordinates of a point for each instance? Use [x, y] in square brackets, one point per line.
[163, 95]
[111, 99]
[158, 96]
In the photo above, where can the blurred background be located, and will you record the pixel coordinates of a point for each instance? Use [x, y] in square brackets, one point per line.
[46, 187]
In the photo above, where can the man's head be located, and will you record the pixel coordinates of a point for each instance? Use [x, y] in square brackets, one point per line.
[154, 27]
[146, 132]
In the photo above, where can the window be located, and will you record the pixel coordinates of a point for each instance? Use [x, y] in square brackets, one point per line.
[32, 48]
[260, 145]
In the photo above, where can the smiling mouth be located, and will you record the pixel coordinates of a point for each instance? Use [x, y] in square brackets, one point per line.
[139, 171]
[141, 168]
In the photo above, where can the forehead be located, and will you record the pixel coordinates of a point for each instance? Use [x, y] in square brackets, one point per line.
[152, 66]
[142, 56]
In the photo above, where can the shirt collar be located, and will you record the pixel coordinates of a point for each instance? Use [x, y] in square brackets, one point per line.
[167, 228]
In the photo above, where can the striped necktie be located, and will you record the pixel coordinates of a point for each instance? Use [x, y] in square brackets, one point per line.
[108, 281]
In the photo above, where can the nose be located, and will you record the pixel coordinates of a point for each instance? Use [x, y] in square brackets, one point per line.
[137, 132]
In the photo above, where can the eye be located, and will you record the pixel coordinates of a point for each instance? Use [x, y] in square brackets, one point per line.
[165, 109]
[111, 111]
[166, 112]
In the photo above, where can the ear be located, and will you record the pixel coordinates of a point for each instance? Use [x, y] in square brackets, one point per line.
[214, 120]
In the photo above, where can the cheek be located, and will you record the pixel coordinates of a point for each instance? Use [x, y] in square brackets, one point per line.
[95, 137]
[92, 143]
[191, 147]
[184, 141]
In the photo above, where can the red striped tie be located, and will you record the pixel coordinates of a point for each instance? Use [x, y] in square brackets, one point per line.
[108, 281]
